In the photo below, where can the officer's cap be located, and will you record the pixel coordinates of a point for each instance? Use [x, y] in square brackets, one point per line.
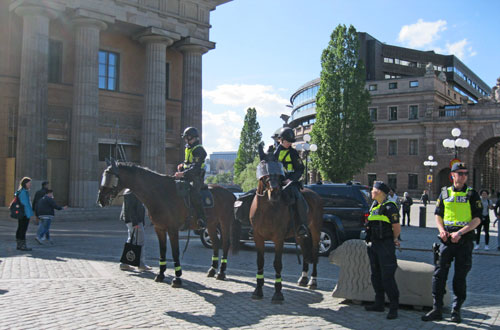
[458, 166]
[380, 185]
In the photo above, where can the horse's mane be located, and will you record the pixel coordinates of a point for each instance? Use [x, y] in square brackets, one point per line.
[135, 169]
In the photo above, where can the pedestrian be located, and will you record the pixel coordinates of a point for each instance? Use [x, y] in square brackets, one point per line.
[45, 211]
[496, 210]
[424, 198]
[458, 213]
[394, 198]
[485, 221]
[132, 214]
[383, 229]
[407, 203]
[22, 224]
[39, 195]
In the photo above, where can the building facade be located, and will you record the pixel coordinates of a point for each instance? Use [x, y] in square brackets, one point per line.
[222, 161]
[79, 78]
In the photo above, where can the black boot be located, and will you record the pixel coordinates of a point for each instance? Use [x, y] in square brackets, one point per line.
[19, 243]
[202, 224]
[377, 306]
[23, 246]
[301, 210]
[455, 316]
[435, 314]
[393, 313]
[302, 231]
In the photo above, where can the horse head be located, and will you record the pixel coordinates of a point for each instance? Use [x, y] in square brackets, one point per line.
[270, 175]
[110, 184]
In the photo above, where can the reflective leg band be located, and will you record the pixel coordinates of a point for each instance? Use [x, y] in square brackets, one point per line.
[215, 258]
[260, 276]
[224, 261]
[278, 280]
[163, 263]
[177, 268]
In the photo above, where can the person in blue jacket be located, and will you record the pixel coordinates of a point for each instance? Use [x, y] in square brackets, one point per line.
[22, 224]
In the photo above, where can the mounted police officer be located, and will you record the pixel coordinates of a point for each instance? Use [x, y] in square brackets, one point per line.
[294, 168]
[383, 229]
[458, 213]
[193, 171]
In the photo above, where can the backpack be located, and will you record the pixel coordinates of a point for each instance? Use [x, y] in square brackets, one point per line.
[16, 208]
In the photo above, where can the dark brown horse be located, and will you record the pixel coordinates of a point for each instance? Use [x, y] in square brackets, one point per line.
[168, 212]
[271, 219]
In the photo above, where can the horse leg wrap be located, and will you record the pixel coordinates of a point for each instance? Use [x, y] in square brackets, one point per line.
[163, 266]
[277, 283]
[223, 265]
[215, 262]
[260, 278]
[178, 269]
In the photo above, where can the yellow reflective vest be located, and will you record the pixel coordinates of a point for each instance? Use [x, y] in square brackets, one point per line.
[457, 210]
[286, 160]
[375, 213]
[188, 156]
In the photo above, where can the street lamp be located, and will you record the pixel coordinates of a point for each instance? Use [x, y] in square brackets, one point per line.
[430, 163]
[457, 142]
[304, 149]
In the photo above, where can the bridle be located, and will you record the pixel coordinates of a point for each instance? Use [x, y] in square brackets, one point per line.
[110, 180]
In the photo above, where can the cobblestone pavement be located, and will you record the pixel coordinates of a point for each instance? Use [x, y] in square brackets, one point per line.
[76, 283]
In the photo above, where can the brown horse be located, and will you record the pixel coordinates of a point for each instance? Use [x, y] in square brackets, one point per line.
[271, 219]
[168, 212]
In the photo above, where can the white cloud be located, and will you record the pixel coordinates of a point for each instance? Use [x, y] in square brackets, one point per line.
[221, 131]
[265, 99]
[460, 49]
[421, 33]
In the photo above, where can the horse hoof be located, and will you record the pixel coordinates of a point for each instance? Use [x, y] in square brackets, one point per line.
[278, 298]
[176, 283]
[313, 284]
[159, 278]
[211, 272]
[258, 294]
[221, 276]
[302, 281]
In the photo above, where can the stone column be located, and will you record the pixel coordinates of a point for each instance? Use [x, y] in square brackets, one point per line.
[153, 119]
[31, 147]
[84, 179]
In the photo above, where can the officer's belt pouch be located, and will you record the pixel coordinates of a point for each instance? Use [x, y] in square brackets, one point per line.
[182, 188]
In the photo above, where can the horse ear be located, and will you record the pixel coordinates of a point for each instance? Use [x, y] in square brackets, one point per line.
[113, 166]
[107, 161]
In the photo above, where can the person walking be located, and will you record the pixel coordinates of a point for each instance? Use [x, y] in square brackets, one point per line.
[458, 213]
[424, 198]
[38, 196]
[407, 203]
[45, 211]
[22, 224]
[383, 229]
[496, 210]
[485, 221]
[132, 214]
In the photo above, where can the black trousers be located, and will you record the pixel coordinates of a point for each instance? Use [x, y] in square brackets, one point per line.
[383, 264]
[406, 213]
[22, 228]
[485, 223]
[195, 197]
[461, 253]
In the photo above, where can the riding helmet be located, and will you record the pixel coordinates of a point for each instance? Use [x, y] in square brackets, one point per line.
[287, 134]
[190, 131]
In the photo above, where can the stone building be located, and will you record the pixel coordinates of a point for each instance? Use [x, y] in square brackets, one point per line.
[79, 77]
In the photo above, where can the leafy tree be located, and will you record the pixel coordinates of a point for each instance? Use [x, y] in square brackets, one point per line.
[247, 178]
[221, 178]
[250, 138]
[343, 131]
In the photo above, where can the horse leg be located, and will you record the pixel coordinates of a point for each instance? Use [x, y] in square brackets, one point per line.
[162, 240]
[174, 245]
[278, 266]
[259, 245]
[225, 251]
[313, 284]
[303, 278]
[212, 232]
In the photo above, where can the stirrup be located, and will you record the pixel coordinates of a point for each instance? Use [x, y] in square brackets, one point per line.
[302, 231]
[202, 225]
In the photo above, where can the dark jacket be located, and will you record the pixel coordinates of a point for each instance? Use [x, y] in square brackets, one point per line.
[407, 202]
[298, 166]
[38, 196]
[46, 206]
[194, 170]
[132, 209]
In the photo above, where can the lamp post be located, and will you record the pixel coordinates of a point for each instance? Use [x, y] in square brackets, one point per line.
[304, 149]
[430, 163]
[457, 142]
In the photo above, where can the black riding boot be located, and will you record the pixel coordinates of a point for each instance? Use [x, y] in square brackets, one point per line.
[301, 208]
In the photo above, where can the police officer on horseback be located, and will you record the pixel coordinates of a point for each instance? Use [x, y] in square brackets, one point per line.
[193, 171]
[294, 168]
[458, 212]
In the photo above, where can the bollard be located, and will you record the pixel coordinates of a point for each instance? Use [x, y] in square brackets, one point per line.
[422, 216]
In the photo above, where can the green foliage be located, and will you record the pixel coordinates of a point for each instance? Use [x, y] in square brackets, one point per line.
[343, 131]
[250, 138]
[247, 178]
[221, 178]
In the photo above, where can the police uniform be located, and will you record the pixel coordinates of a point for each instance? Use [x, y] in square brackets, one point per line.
[457, 208]
[382, 253]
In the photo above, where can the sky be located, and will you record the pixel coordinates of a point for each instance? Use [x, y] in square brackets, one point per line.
[266, 49]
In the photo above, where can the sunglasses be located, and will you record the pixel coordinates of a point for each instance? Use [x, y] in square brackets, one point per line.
[462, 173]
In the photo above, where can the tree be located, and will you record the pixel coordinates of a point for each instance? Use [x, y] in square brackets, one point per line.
[250, 138]
[343, 131]
[221, 178]
[247, 178]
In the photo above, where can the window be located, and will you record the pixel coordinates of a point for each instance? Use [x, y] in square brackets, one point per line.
[413, 83]
[393, 147]
[371, 177]
[167, 80]
[55, 61]
[413, 112]
[392, 181]
[388, 60]
[412, 181]
[413, 147]
[372, 87]
[108, 70]
[393, 113]
[393, 85]
[373, 114]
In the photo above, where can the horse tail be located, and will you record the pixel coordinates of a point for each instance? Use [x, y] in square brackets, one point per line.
[235, 231]
[307, 250]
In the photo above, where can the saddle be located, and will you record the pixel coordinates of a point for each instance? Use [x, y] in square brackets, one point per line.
[183, 189]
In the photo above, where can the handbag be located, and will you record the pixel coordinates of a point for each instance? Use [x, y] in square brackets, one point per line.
[131, 252]
[16, 208]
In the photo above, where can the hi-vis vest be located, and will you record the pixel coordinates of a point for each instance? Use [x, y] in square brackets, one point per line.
[286, 160]
[375, 213]
[457, 210]
[188, 156]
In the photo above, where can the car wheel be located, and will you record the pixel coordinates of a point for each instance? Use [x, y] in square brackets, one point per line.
[205, 238]
[327, 241]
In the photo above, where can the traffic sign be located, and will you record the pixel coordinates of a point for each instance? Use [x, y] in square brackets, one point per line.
[429, 178]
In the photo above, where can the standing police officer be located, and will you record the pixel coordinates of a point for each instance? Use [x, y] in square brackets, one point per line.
[193, 170]
[458, 212]
[383, 229]
[294, 168]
